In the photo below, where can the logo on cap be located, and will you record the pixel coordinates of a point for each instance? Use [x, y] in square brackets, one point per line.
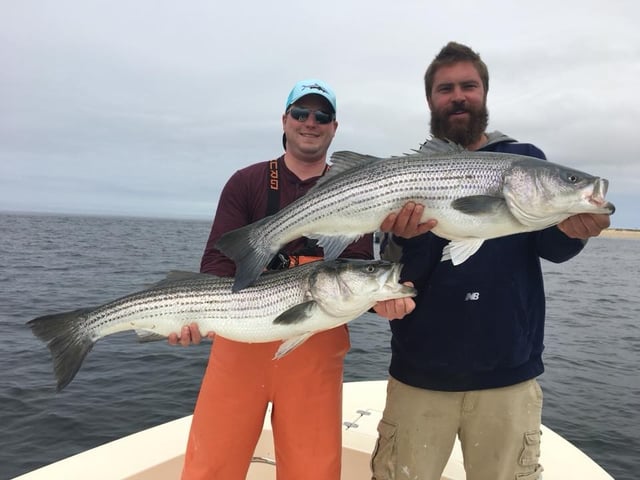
[316, 87]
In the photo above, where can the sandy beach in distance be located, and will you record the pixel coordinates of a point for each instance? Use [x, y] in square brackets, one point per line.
[620, 233]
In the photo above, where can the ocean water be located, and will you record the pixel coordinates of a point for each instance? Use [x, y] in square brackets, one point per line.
[52, 263]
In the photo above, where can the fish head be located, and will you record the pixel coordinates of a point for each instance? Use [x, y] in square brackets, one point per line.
[346, 287]
[540, 194]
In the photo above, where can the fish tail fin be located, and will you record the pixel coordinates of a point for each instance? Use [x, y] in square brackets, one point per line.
[250, 252]
[68, 342]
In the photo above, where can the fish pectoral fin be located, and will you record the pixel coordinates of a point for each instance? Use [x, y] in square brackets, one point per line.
[460, 250]
[478, 204]
[291, 344]
[145, 336]
[333, 246]
[296, 314]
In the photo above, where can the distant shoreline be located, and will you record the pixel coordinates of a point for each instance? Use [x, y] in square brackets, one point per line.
[608, 233]
[620, 233]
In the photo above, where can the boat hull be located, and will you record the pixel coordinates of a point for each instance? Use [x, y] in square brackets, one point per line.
[158, 452]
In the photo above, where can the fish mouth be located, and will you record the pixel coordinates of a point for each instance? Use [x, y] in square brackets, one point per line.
[392, 283]
[597, 197]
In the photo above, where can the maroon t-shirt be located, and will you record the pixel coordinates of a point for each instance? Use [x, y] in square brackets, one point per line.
[244, 200]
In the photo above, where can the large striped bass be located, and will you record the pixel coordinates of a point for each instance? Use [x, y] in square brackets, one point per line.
[473, 195]
[289, 305]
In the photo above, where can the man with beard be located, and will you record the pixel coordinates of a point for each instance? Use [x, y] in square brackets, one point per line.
[465, 361]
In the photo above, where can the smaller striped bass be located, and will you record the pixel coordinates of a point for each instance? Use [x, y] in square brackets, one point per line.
[289, 305]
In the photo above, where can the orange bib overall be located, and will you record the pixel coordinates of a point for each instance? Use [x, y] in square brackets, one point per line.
[305, 389]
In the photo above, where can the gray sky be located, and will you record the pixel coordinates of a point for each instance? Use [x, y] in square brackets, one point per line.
[147, 107]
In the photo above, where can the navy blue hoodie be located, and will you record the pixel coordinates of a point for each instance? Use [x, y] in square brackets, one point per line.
[479, 324]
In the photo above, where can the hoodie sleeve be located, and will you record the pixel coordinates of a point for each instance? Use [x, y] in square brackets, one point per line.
[555, 246]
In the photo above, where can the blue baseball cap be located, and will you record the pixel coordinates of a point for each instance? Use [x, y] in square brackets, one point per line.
[311, 87]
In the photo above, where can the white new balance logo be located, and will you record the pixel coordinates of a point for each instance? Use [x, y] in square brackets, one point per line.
[473, 296]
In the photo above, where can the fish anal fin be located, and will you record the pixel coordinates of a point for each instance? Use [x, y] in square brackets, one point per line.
[145, 336]
[458, 251]
[291, 344]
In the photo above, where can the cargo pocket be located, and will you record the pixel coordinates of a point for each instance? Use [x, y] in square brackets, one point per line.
[535, 475]
[383, 458]
[530, 456]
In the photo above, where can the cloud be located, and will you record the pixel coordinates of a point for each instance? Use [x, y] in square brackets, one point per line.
[148, 107]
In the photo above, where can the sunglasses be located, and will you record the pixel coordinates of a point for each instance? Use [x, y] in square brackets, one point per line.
[301, 114]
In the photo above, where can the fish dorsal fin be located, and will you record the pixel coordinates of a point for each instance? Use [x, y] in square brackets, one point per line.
[176, 276]
[436, 146]
[343, 161]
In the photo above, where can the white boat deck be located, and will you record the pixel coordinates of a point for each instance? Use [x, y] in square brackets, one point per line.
[157, 453]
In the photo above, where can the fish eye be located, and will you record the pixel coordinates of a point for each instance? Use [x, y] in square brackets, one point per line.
[572, 178]
[370, 269]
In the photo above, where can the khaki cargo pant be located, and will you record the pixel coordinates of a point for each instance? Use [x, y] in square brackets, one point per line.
[499, 431]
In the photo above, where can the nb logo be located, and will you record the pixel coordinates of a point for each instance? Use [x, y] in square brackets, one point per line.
[472, 296]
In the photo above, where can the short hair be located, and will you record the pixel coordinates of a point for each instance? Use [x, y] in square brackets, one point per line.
[452, 53]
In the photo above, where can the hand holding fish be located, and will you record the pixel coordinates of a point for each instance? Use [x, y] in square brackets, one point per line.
[584, 225]
[189, 334]
[407, 222]
[396, 308]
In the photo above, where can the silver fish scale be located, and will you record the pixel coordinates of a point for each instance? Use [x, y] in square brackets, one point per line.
[431, 180]
[205, 298]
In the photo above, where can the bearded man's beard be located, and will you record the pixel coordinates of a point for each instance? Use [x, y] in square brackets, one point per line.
[461, 132]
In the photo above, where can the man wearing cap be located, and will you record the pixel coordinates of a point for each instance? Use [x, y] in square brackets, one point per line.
[305, 386]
